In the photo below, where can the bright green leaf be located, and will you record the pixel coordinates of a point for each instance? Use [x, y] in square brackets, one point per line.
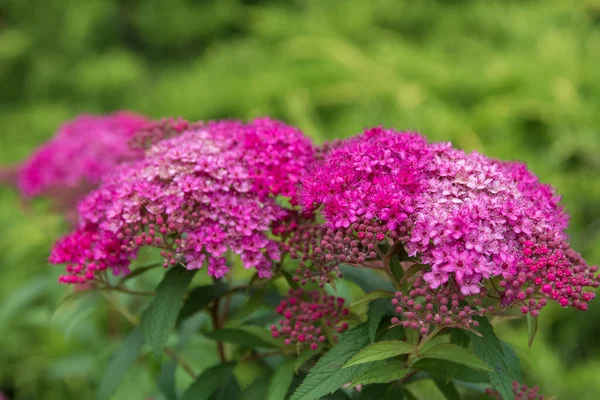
[161, 314]
[367, 298]
[281, 380]
[123, 358]
[457, 354]
[380, 351]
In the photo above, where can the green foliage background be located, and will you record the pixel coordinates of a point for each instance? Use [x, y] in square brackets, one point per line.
[516, 79]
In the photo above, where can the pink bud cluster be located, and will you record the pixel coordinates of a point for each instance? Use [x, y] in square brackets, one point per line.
[155, 131]
[309, 318]
[423, 307]
[470, 218]
[195, 196]
[80, 154]
[522, 392]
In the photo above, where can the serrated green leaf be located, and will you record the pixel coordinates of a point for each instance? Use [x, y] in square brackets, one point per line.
[377, 310]
[303, 358]
[386, 372]
[199, 298]
[489, 348]
[395, 332]
[532, 328]
[281, 380]
[448, 389]
[456, 354]
[379, 351]
[165, 381]
[246, 336]
[328, 375]
[459, 337]
[208, 382]
[369, 297]
[122, 359]
[160, 316]
[513, 362]
[383, 391]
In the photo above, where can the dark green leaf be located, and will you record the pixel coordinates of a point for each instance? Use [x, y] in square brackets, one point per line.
[159, 318]
[228, 390]
[208, 382]
[457, 354]
[199, 298]
[392, 333]
[460, 338]
[396, 268]
[448, 389]
[257, 389]
[532, 328]
[328, 375]
[303, 358]
[379, 351]
[374, 295]
[513, 362]
[413, 269]
[377, 310]
[366, 279]
[122, 359]
[290, 279]
[246, 336]
[447, 370]
[408, 395]
[489, 348]
[386, 372]
[383, 391]
[165, 381]
[281, 380]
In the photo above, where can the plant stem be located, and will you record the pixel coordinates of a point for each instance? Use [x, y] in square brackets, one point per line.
[216, 325]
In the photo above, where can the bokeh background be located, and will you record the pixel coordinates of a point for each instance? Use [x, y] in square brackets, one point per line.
[516, 79]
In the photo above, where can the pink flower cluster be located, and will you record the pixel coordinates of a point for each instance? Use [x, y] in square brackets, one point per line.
[80, 154]
[309, 317]
[522, 392]
[468, 217]
[196, 196]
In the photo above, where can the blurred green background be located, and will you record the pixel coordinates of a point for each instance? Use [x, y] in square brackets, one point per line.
[516, 79]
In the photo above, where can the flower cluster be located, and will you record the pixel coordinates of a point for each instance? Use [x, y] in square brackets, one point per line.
[80, 154]
[309, 317]
[209, 190]
[469, 218]
[522, 392]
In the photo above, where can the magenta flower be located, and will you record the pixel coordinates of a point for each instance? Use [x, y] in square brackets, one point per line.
[196, 196]
[80, 154]
[309, 318]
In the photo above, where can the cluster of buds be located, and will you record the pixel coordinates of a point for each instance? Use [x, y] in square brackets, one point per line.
[522, 392]
[310, 317]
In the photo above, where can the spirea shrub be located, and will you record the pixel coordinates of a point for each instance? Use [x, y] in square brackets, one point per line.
[375, 262]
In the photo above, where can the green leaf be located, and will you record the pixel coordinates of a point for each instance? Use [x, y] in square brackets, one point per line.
[380, 351]
[229, 389]
[369, 297]
[290, 279]
[459, 337]
[246, 336]
[257, 389]
[122, 359]
[199, 298]
[448, 389]
[165, 381]
[396, 268]
[328, 375]
[532, 328]
[303, 358]
[384, 391]
[281, 380]
[489, 348]
[377, 310]
[392, 333]
[384, 373]
[413, 269]
[161, 314]
[513, 362]
[208, 382]
[367, 279]
[457, 354]
[447, 370]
